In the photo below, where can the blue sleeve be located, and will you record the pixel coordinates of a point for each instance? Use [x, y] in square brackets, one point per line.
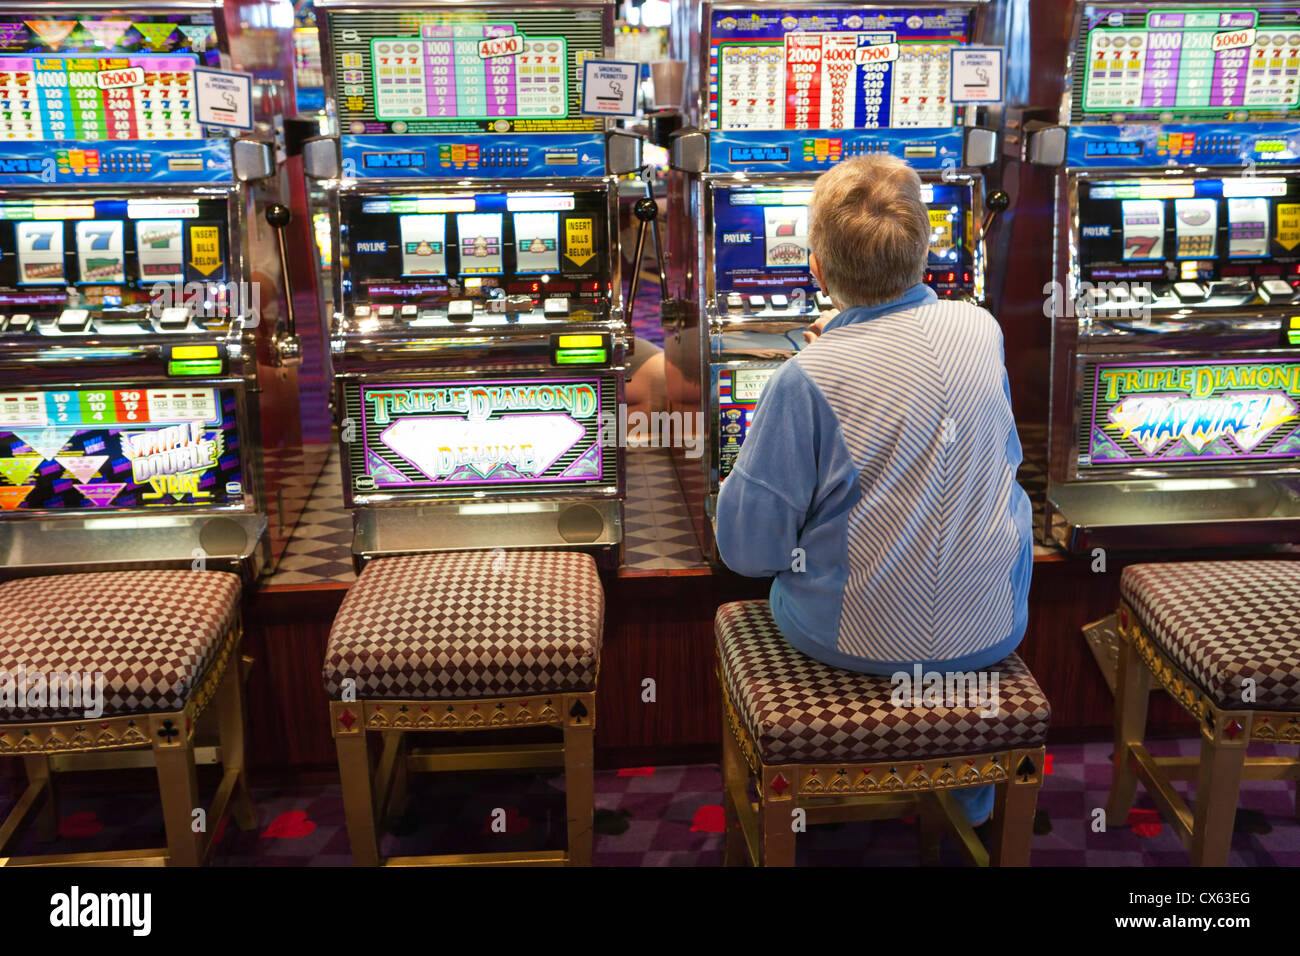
[765, 501]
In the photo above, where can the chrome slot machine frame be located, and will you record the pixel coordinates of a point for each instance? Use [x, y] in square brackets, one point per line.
[1208, 504]
[696, 329]
[587, 518]
[234, 536]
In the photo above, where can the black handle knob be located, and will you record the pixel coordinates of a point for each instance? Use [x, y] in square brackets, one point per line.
[997, 201]
[278, 215]
[645, 209]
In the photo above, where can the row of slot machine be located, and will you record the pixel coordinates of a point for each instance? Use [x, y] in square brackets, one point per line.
[474, 323]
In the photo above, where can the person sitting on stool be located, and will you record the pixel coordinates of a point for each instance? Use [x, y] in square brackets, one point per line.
[877, 482]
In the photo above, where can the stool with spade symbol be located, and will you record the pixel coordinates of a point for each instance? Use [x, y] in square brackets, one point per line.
[115, 669]
[1223, 638]
[806, 743]
[461, 643]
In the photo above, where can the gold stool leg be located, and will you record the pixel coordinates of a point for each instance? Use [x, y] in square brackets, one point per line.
[358, 802]
[1133, 686]
[580, 783]
[776, 821]
[230, 718]
[734, 777]
[1218, 781]
[178, 784]
[1013, 822]
[47, 818]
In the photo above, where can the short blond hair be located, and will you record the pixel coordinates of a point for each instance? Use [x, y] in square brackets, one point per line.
[870, 230]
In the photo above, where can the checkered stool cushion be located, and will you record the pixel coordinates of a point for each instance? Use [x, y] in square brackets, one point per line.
[469, 624]
[1222, 622]
[152, 634]
[798, 710]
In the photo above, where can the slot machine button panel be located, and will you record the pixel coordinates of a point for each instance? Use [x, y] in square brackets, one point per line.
[757, 302]
[460, 310]
[780, 301]
[410, 312]
[73, 320]
[386, 311]
[1189, 292]
[361, 312]
[735, 302]
[557, 307]
[21, 322]
[823, 301]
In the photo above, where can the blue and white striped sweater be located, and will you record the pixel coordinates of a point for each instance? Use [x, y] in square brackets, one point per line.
[887, 452]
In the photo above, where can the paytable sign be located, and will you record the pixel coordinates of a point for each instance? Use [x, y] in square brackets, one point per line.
[609, 88]
[977, 74]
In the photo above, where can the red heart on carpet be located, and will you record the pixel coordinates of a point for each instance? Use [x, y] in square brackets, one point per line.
[516, 822]
[289, 826]
[1047, 764]
[637, 772]
[1145, 823]
[84, 824]
[709, 818]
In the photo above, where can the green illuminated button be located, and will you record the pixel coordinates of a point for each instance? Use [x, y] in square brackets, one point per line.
[581, 356]
[194, 367]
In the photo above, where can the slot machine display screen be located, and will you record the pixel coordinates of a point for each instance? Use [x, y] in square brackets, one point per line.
[1188, 229]
[1186, 61]
[110, 77]
[456, 435]
[424, 248]
[761, 239]
[108, 252]
[833, 68]
[112, 449]
[513, 70]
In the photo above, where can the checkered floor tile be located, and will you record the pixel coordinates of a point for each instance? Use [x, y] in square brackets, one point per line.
[668, 816]
[320, 550]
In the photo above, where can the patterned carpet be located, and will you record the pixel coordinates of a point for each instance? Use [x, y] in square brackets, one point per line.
[667, 816]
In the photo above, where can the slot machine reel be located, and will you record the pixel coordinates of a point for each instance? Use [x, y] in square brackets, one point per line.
[286, 344]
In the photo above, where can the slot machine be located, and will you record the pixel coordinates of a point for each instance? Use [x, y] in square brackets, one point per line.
[478, 333]
[1175, 405]
[139, 351]
[783, 92]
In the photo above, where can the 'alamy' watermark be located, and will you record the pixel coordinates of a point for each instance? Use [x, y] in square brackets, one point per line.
[77, 909]
[57, 690]
[972, 690]
[1101, 300]
[653, 430]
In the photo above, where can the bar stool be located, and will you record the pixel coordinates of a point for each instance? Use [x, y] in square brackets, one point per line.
[820, 745]
[1223, 638]
[166, 644]
[466, 641]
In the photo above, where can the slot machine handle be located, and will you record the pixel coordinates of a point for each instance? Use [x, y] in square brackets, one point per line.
[996, 203]
[646, 211]
[288, 347]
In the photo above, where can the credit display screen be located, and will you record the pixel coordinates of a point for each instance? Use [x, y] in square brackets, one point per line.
[425, 248]
[112, 449]
[833, 68]
[1187, 414]
[512, 70]
[458, 435]
[1188, 229]
[761, 238]
[110, 77]
[88, 252]
[1144, 61]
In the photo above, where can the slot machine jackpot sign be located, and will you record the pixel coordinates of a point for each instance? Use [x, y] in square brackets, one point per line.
[459, 437]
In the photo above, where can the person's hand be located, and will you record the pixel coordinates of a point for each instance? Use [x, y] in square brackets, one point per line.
[811, 333]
